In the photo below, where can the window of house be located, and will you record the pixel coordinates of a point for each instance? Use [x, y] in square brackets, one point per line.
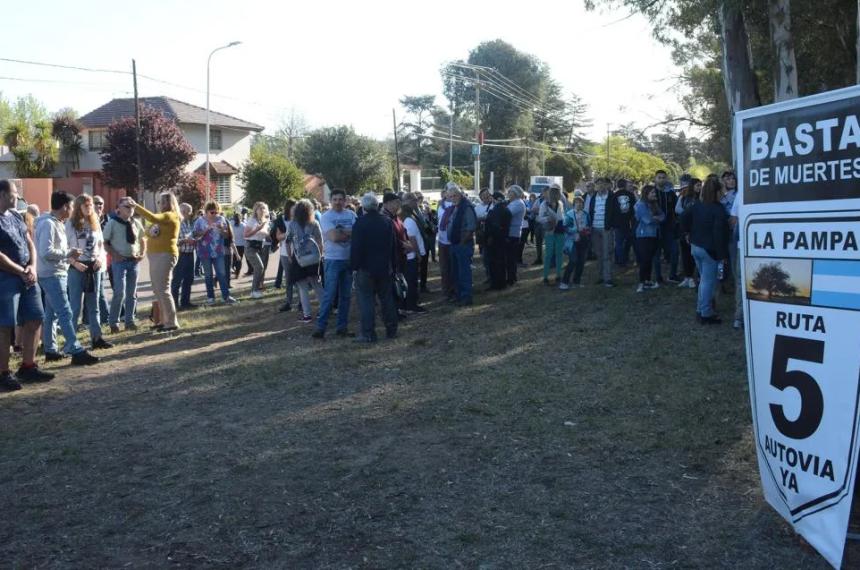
[222, 189]
[215, 139]
[98, 139]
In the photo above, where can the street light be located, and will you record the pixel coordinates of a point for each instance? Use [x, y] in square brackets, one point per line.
[208, 61]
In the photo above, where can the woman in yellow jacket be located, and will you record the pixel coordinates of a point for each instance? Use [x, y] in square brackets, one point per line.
[162, 251]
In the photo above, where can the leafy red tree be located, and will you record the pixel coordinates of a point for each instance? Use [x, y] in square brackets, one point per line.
[192, 189]
[164, 152]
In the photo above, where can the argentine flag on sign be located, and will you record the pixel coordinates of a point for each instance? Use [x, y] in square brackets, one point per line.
[836, 284]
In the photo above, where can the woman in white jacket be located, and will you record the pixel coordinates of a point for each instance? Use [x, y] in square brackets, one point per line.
[551, 219]
[84, 233]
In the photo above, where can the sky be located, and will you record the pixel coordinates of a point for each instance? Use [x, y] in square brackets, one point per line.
[332, 62]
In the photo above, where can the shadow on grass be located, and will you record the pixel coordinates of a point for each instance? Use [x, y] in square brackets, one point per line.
[592, 428]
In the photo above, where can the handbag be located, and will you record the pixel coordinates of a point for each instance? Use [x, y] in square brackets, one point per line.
[400, 286]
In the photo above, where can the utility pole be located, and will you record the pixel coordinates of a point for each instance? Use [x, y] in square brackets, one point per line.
[137, 134]
[477, 133]
[396, 151]
[607, 145]
[451, 142]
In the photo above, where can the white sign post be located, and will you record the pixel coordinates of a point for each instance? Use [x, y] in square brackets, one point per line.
[799, 181]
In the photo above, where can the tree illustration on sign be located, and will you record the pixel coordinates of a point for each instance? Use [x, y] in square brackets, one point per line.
[774, 280]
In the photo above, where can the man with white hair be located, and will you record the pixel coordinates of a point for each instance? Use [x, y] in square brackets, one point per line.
[372, 258]
[513, 247]
[461, 234]
[446, 210]
[124, 241]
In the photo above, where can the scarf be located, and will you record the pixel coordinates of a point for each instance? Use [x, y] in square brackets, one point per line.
[446, 216]
[130, 235]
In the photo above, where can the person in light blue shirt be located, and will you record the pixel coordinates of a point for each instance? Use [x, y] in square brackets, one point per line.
[649, 216]
[336, 226]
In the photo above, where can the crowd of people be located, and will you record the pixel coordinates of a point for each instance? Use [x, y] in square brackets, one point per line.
[53, 266]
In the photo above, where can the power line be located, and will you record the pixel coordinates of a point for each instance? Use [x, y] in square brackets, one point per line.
[127, 73]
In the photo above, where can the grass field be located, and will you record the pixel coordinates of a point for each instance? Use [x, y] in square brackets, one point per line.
[537, 429]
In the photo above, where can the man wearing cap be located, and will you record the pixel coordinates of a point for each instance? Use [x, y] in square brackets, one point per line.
[20, 298]
[497, 228]
[461, 234]
[622, 221]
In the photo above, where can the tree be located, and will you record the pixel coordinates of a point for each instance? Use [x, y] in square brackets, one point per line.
[624, 161]
[460, 178]
[571, 168]
[67, 129]
[520, 106]
[416, 126]
[164, 152]
[288, 139]
[271, 178]
[773, 280]
[192, 190]
[27, 133]
[346, 159]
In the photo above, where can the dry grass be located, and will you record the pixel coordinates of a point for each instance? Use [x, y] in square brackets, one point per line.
[589, 429]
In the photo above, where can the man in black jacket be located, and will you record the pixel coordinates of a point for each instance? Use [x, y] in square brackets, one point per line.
[372, 258]
[496, 228]
[622, 222]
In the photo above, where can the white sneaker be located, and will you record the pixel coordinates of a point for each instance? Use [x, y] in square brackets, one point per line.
[256, 295]
[231, 300]
[684, 284]
[564, 286]
[210, 301]
[737, 324]
[652, 285]
[640, 288]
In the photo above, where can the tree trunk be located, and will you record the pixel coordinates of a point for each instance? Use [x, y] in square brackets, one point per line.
[785, 68]
[739, 80]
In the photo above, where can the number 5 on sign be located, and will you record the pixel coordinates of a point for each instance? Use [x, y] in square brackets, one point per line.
[811, 399]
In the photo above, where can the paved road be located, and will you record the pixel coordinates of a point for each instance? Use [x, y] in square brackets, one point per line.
[198, 290]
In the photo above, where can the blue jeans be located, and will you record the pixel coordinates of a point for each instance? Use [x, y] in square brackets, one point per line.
[338, 282]
[57, 309]
[220, 273]
[668, 247]
[623, 243]
[124, 291]
[76, 292]
[183, 279]
[461, 270]
[707, 280]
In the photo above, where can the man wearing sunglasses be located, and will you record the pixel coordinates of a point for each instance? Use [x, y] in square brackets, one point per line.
[124, 241]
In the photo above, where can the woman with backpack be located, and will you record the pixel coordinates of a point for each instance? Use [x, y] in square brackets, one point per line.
[281, 237]
[256, 251]
[304, 248]
[551, 220]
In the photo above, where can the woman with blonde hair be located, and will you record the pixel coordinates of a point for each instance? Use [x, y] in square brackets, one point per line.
[84, 232]
[256, 252]
[304, 247]
[162, 251]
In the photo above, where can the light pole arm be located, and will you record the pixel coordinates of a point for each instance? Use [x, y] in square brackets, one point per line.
[208, 66]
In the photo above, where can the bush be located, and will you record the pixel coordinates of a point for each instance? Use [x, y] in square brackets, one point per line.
[270, 178]
[192, 189]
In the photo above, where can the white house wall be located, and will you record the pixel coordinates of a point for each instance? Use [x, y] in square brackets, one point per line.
[236, 150]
